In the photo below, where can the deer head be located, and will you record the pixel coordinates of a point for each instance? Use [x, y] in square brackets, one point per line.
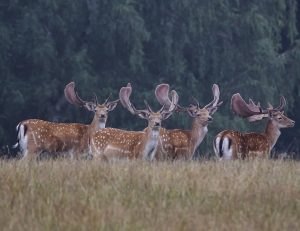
[154, 118]
[100, 110]
[254, 112]
[202, 115]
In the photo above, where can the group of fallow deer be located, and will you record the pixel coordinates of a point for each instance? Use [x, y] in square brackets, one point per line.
[154, 142]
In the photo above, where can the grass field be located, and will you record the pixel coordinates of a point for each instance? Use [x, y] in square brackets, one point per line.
[205, 195]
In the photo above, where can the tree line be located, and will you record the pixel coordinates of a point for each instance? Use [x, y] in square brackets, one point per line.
[251, 47]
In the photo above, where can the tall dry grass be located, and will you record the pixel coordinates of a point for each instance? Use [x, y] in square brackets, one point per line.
[91, 195]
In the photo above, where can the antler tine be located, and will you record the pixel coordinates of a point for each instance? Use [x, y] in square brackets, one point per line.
[95, 98]
[181, 108]
[253, 107]
[148, 106]
[162, 108]
[71, 96]
[106, 101]
[251, 102]
[196, 102]
[281, 105]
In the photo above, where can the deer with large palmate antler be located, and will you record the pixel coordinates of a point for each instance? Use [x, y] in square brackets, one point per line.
[182, 144]
[231, 144]
[37, 136]
[110, 143]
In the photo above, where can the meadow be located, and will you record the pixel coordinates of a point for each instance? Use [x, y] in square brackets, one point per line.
[136, 195]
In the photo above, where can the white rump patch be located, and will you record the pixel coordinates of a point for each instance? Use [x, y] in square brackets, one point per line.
[23, 140]
[227, 153]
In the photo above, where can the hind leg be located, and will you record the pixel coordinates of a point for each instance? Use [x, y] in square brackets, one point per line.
[29, 155]
[31, 152]
[216, 146]
[227, 149]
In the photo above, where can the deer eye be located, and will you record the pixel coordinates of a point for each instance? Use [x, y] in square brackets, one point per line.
[280, 118]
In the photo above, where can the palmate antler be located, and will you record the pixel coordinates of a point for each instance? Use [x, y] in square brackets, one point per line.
[252, 111]
[125, 93]
[162, 96]
[73, 98]
[211, 107]
[214, 104]
[124, 96]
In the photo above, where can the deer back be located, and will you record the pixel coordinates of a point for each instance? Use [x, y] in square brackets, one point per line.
[52, 137]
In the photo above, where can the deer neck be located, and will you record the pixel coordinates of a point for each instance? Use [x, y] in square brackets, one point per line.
[272, 132]
[198, 133]
[96, 125]
[150, 142]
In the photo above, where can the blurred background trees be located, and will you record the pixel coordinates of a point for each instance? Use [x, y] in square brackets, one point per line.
[251, 47]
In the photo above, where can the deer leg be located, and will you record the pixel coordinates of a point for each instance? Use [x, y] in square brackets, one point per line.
[30, 155]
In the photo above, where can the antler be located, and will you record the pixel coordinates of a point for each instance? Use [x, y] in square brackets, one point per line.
[148, 106]
[211, 107]
[168, 105]
[124, 96]
[215, 102]
[242, 109]
[281, 105]
[95, 98]
[73, 97]
[251, 111]
[162, 96]
[106, 101]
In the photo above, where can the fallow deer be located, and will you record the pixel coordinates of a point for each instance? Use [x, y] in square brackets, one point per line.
[231, 144]
[182, 144]
[37, 136]
[111, 143]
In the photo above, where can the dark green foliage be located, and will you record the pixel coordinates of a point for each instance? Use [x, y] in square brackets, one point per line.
[250, 47]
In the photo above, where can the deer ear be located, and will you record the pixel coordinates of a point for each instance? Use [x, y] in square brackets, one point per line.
[143, 115]
[112, 105]
[90, 106]
[192, 111]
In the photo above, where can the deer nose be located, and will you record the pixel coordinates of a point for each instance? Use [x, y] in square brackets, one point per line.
[209, 119]
[156, 124]
[102, 116]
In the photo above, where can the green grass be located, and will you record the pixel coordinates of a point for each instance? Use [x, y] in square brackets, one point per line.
[123, 195]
